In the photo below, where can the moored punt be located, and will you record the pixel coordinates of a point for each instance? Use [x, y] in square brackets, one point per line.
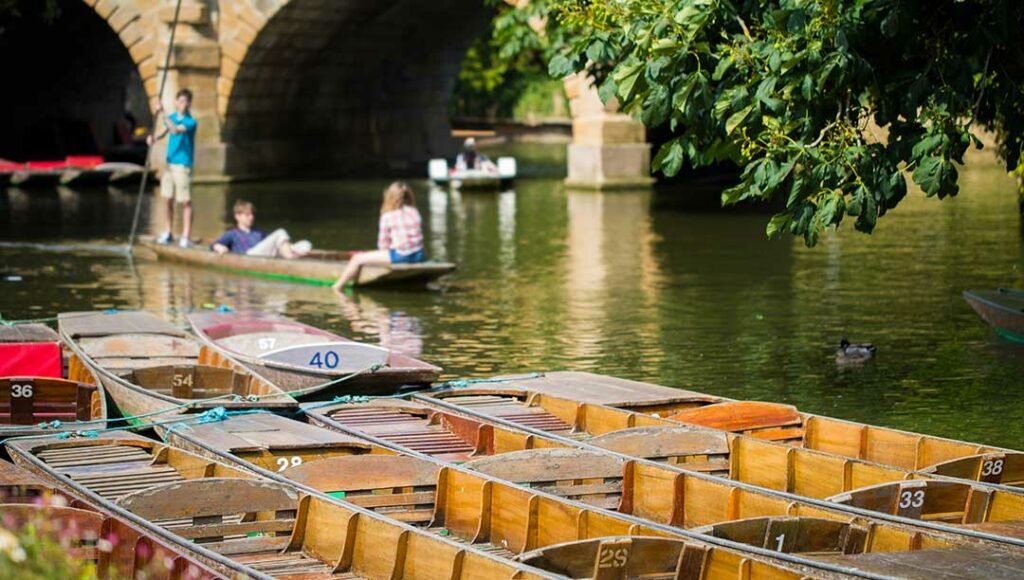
[241, 524]
[784, 423]
[297, 356]
[320, 267]
[154, 370]
[117, 548]
[32, 391]
[1003, 308]
[102, 173]
[497, 515]
[489, 423]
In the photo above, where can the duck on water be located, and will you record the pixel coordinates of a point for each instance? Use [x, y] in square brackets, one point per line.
[854, 353]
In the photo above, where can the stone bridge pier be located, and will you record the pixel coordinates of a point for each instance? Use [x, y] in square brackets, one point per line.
[282, 87]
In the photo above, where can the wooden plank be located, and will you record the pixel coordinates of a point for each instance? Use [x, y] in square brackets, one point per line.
[548, 465]
[210, 496]
[94, 324]
[34, 332]
[599, 389]
[648, 442]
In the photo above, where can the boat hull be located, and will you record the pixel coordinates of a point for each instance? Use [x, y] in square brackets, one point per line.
[1003, 309]
[305, 270]
[255, 329]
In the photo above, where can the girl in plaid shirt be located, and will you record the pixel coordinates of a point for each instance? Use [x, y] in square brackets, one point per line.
[400, 238]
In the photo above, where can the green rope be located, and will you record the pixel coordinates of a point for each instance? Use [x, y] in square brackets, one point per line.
[463, 383]
[215, 414]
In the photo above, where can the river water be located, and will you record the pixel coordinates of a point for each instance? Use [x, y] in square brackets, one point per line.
[632, 284]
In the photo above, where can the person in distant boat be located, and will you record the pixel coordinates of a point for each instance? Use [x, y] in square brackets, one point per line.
[470, 158]
[244, 239]
[176, 182]
[399, 238]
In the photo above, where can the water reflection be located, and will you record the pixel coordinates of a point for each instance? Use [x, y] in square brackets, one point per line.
[610, 261]
[390, 328]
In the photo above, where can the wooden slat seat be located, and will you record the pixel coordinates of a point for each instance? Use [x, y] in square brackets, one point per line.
[792, 535]
[31, 400]
[1004, 468]
[586, 476]
[401, 487]
[695, 449]
[621, 557]
[414, 429]
[930, 500]
[513, 408]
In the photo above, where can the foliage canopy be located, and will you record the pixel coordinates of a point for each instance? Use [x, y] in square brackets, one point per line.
[793, 90]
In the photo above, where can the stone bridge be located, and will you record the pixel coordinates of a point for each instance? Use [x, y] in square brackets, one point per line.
[282, 87]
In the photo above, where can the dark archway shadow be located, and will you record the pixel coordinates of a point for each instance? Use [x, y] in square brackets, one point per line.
[68, 82]
[356, 90]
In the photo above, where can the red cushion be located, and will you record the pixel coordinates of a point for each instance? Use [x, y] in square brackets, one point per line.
[31, 359]
[83, 161]
[46, 164]
[11, 166]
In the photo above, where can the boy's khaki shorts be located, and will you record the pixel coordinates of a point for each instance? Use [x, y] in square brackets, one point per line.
[176, 182]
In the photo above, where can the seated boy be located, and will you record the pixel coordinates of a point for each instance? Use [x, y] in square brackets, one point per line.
[243, 239]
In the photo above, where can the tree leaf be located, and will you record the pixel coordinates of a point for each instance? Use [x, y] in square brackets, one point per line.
[777, 224]
[737, 118]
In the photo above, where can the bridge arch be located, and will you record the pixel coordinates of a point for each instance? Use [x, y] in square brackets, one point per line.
[71, 78]
[340, 86]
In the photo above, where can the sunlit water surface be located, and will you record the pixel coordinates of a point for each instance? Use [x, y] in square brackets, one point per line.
[624, 283]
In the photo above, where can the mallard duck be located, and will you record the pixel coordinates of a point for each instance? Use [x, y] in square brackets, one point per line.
[854, 353]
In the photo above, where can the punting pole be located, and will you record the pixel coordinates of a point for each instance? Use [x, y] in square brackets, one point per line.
[159, 97]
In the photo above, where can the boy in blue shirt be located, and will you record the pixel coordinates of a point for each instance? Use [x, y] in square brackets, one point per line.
[176, 183]
[245, 239]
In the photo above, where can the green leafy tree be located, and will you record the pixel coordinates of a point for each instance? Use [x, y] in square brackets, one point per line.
[826, 104]
[504, 73]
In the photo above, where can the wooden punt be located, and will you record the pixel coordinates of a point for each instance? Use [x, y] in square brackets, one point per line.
[297, 356]
[766, 464]
[26, 401]
[445, 499]
[321, 267]
[785, 423]
[117, 548]
[241, 524]
[1002, 308]
[149, 366]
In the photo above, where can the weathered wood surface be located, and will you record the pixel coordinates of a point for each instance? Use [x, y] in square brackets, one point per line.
[28, 333]
[937, 564]
[413, 426]
[96, 324]
[311, 269]
[601, 389]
